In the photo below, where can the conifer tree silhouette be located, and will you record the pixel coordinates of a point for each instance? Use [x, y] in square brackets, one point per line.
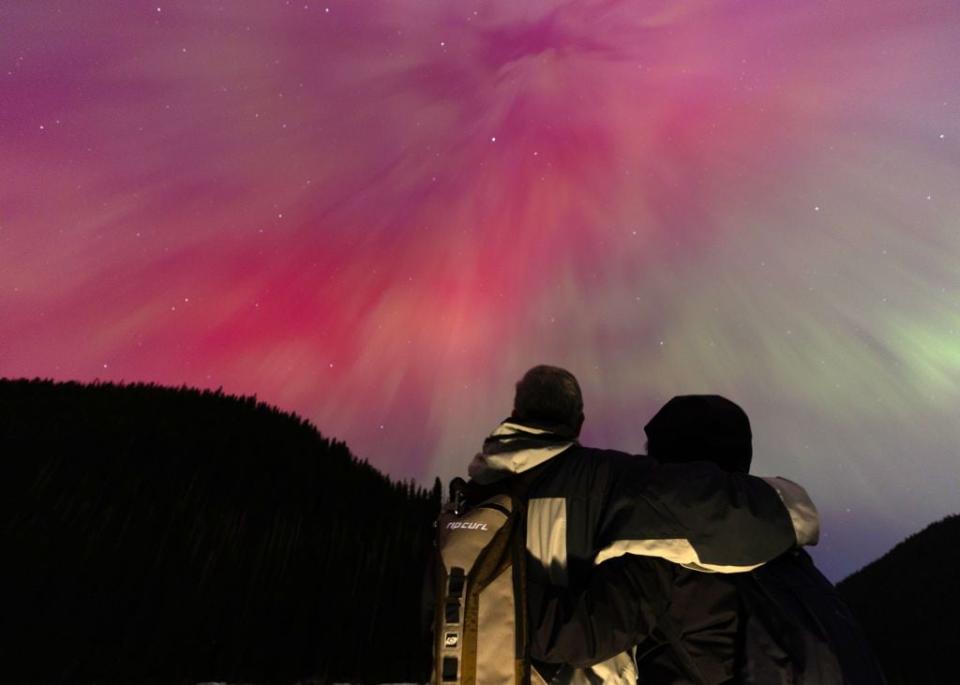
[169, 535]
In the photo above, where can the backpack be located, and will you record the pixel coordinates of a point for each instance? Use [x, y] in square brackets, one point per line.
[480, 622]
[796, 630]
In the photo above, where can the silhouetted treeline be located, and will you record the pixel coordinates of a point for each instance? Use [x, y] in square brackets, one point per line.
[171, 536]
[908, 602]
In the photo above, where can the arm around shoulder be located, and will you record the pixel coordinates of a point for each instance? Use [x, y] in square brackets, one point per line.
[699, 515]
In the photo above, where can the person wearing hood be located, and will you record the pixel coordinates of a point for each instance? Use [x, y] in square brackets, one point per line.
[587, 507]
[782, 623]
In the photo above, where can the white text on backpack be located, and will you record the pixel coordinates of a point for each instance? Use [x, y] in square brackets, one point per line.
[469, 525]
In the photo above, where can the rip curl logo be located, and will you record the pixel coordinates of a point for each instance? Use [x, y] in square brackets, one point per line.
[466, 525]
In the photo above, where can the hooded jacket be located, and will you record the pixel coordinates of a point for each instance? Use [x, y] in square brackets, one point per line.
[781, 624]
[589, 506]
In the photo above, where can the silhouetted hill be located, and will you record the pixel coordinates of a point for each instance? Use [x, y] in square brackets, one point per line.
[908, 602]
[164, 535]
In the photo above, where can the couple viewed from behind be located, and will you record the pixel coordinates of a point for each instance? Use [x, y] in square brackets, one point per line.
[564, 564]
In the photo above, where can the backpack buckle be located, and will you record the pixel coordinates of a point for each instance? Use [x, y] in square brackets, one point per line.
[458, 495]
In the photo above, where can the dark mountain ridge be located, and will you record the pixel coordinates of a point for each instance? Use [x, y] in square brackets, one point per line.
[168, 535]
[908, 603]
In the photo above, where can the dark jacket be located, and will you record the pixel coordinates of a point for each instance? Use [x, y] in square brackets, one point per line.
[591, 506]
[783, 623]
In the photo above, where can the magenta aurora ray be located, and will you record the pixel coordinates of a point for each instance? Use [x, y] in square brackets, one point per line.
[379, 213]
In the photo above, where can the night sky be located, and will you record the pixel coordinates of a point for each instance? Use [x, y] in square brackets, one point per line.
[379, 213]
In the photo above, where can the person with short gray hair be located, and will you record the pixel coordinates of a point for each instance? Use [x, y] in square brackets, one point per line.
[549, 393]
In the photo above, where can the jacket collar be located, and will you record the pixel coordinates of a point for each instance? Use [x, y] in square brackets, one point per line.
[517, 446]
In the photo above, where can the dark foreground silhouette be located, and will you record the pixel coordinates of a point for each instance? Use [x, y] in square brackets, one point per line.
[908, 603]
[158, 535]
[170, 535]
